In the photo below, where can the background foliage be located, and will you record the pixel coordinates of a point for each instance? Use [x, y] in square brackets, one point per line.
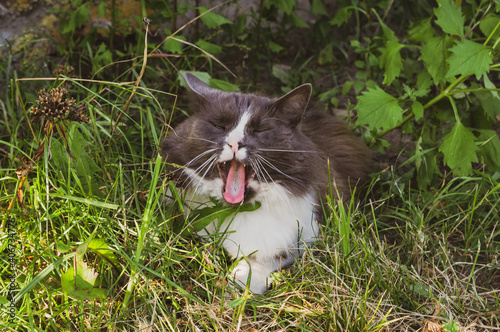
[97, 249]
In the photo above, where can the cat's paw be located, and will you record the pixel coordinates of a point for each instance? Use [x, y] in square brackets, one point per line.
[259, 278]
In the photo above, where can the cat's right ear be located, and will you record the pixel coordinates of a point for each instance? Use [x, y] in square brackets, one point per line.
[291, 107]
[197, 86]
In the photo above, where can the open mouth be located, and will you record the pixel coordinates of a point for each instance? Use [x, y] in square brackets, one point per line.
[235, 176]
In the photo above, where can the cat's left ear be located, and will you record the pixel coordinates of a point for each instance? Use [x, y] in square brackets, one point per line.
[197, 85]
[292, 106]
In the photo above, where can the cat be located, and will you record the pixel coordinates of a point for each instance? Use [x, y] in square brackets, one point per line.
[242, 148]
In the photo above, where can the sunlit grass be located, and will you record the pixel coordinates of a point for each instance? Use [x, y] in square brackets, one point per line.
[391, 261]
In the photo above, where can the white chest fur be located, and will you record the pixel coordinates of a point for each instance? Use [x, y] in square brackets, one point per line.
[282, 223]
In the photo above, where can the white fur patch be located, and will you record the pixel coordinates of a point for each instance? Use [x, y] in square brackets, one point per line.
[232, 149]
[282, 223]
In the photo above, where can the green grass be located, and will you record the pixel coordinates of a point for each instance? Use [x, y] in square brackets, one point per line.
[391, 261]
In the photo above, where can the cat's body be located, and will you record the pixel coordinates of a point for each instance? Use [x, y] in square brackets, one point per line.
[245, 148]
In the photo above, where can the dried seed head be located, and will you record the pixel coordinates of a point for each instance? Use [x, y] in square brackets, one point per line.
[53, 104]
[64, 70]
[76, 114]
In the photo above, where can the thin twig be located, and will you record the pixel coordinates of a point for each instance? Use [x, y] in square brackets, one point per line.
[139, 78]
[384, 17]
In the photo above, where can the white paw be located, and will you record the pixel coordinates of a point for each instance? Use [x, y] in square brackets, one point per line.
[259, 278]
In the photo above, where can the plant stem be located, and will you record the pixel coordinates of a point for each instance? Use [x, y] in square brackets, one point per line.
[492, 34]
[455, 111]
[113, 26]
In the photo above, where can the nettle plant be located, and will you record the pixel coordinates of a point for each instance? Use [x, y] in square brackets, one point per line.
[440, 84]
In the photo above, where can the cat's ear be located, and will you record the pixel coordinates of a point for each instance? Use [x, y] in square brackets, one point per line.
[197, 86]
[292, 106]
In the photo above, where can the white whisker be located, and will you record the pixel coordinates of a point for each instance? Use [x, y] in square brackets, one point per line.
[269, 164]
[195, 138]
[199, 156]
[202, 139]
[285, 150]
[210, 163]
[264, 171]
[257, 167]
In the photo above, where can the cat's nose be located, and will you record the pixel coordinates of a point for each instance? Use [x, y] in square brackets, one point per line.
[235, 146]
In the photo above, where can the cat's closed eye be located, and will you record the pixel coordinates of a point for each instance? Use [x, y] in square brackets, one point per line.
[218, 126]
[258, 127]
[258, 130]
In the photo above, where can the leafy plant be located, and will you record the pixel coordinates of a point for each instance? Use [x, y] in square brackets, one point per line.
[456, 66]
[80, 280]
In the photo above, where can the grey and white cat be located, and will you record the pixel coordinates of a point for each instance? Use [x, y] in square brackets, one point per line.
[242, 148]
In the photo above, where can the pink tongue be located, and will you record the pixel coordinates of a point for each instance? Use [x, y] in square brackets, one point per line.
[235, 184]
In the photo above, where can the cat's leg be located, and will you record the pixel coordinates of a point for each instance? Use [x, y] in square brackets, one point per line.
[256, 270]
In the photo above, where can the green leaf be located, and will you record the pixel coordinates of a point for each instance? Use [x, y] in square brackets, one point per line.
[326, 55]
[420, 288]
[102, 249]
[83, 164]
[296, 21]
[62, 247]
[87, 201]
[273, 47]
[283, 5]
[347, 87]
[391, 61]
[469, 58]
[487, 25]
[421, 31]
[378, 109]
[489, 103]
[450, 18]
[172, 45]
[424, 82]
[209, 47]
[389, 35]
[451, 327]
[418, 110]
[489, 149]
[281, 74]
[489, 99]
[434, 55]
[204, 77]
[459, 150]
[427, 168]
[211, 19]
[318, 8]
[223, 85]
[219, 212]
[342, 16]
[82, 249]
[101, 9]
[236, 302]
[78, 18]
[80, 285]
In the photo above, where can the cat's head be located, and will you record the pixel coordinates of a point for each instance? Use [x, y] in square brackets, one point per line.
[242, 144]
